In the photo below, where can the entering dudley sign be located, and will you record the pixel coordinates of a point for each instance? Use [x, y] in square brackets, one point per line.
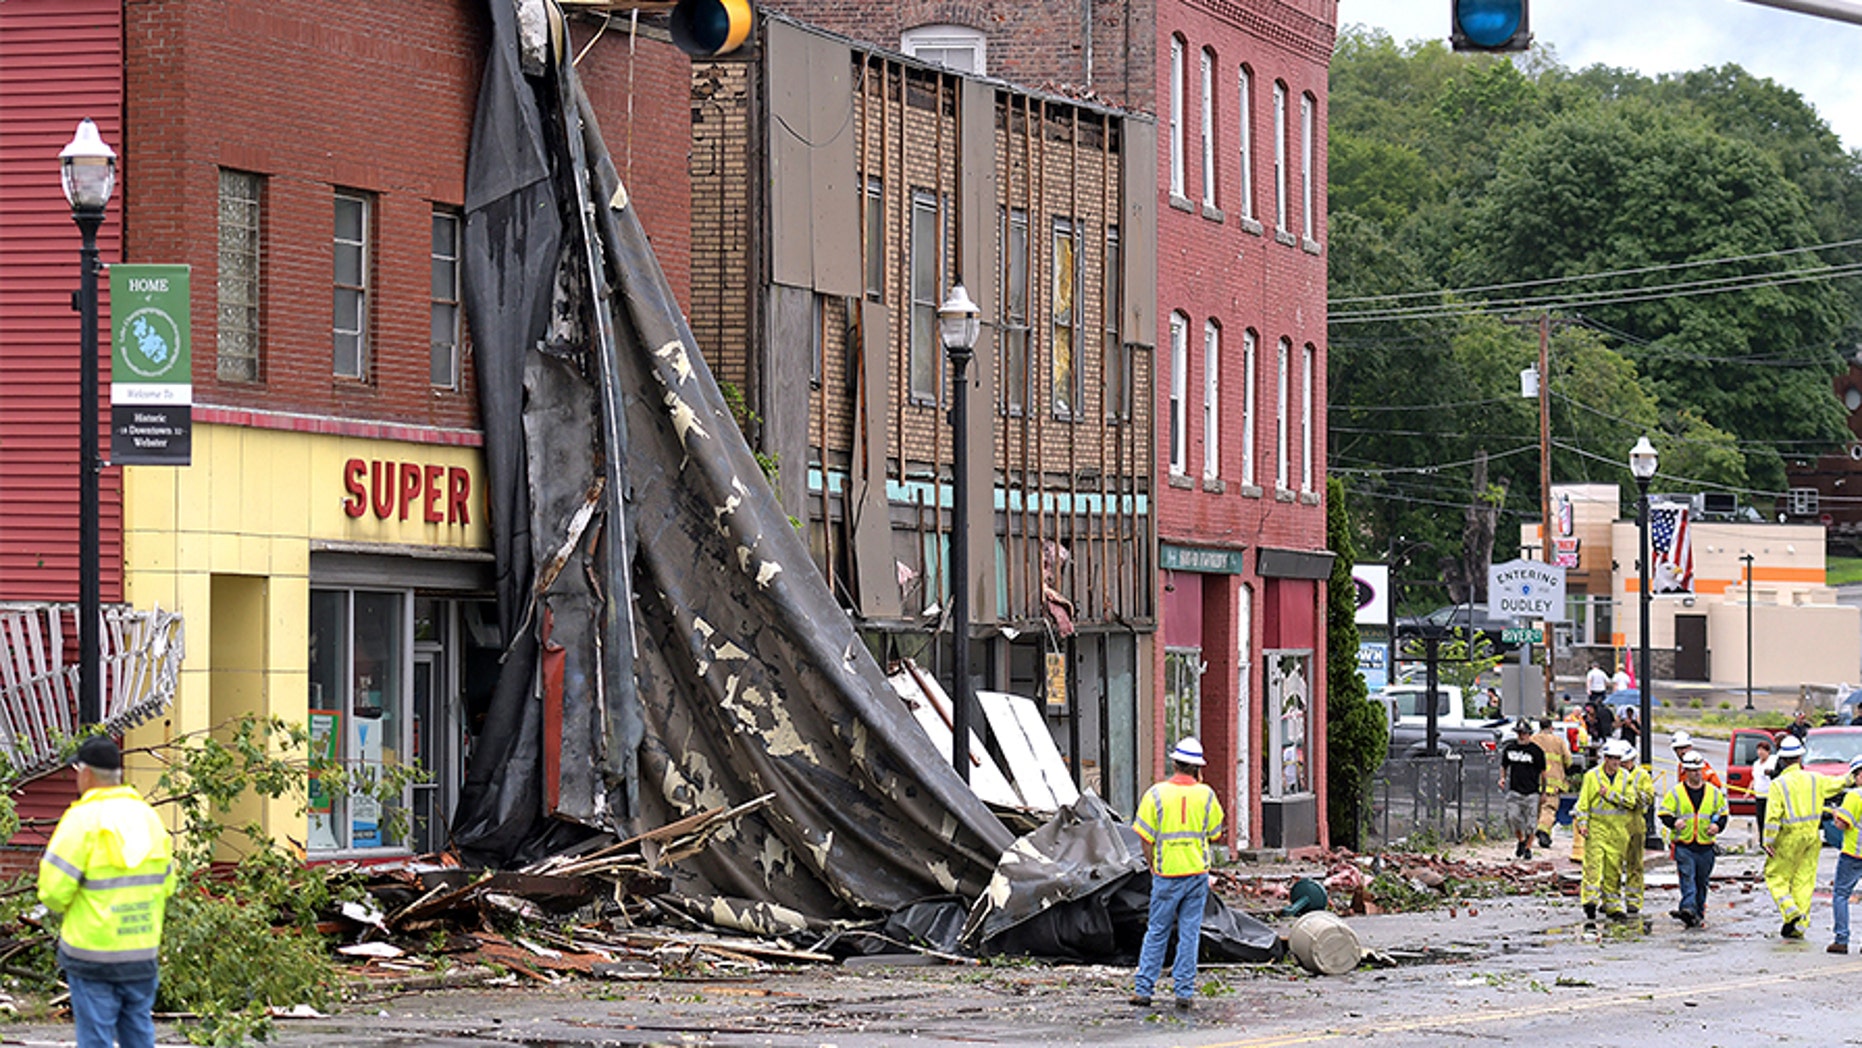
[1526, 589]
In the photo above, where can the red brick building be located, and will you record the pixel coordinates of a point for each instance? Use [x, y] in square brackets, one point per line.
[1238, 88]
[308, 165]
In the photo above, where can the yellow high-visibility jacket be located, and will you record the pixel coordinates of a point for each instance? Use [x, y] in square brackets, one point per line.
[1178, 818]
[109, 869]
[1691, 825]
[1795, 802]
[1605, 795]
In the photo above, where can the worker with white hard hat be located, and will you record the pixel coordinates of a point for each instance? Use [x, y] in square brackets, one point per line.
[1605, 810]
[1791, 836]
[1177, 820]
[1694, 812]
[1683, 744]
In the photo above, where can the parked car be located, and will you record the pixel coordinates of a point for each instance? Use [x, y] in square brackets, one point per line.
[1465, 617]
[1827, 751]
[1741, 749]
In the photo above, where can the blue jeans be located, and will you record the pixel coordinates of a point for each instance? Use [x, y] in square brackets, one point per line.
[1848, 871]
[113, 1013]
[1175, 902]
[1694, 862]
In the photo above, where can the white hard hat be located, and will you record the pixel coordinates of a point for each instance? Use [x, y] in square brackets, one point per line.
[1619, 749]
[1680, 739]
[1791, 748]
[1855, 762]
[1692, 760]
[1189, 751]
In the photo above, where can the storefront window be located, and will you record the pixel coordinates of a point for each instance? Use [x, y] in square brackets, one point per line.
[1289, 741]
[1183, 693]
[358, 701]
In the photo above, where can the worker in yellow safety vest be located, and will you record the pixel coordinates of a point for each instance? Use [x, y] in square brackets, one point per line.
[1694, 812]
[1635, 882]
[1605, 810]
[1791, 836]
[109, 870]
[1176, 821]
[1848, 816]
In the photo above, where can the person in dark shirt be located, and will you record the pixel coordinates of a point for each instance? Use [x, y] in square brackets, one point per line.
[1626, 727]
[1694, 812]
[1522, 769]
[1800, 725]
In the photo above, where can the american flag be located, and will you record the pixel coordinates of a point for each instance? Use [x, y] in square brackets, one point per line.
[1671, 549]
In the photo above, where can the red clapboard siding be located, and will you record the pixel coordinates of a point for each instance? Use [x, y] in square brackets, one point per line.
[60, 61]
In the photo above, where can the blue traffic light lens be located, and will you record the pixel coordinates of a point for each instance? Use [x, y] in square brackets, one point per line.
[1489, 23]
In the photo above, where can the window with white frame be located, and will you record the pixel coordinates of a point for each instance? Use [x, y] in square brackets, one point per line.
[443, 363]
[1244, 132]
[1117, 363]
[1065, 317]
[237, 286]
[875, 242]
[924, 349]
[350, 275]
[1212, 430]
[1307, 356]
[1179, 391]
[1176, 117]
[1281, 429]
[1280, 157]
[1288, 762]
[1208, 128]
[1015, 312]
[952, 46]
[1308, 222]
[1249, 416]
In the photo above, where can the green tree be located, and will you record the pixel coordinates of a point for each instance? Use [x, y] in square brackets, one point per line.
[1356, 736]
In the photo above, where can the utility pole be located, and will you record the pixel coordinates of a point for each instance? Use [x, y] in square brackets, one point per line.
[1545, 480]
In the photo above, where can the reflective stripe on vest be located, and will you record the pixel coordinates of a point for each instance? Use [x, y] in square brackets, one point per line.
[1179, 819]
[1690, 825]
[1800, 798]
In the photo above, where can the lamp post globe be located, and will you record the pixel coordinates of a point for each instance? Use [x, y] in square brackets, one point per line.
[958, 326]
[88, 169]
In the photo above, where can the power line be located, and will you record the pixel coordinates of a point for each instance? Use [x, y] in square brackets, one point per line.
[1659, 268]
[1621, 296]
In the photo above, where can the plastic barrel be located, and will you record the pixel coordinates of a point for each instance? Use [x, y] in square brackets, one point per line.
[1324, 944]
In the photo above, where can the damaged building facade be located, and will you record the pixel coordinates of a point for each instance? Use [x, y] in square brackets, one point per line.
[840, 191]
[1238, 90]
[329, 545]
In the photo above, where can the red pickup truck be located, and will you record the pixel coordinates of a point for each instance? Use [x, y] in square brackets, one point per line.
[1740, 751]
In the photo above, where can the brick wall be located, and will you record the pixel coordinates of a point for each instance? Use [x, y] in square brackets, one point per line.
[310, 112]
[722, 227]
[1037, 43]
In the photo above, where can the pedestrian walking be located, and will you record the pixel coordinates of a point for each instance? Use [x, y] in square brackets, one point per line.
[1557, 752]
[1761, 784]
[1522, 774]
[1635, 874]
[1619, 681]
[109, 870]
[1848, 816]
[1177, 819]
[1605, 806]
[1694, 812]
[1597, 683]
[1791, 837]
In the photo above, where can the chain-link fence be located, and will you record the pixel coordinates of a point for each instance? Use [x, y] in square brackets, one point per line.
[1447, 798]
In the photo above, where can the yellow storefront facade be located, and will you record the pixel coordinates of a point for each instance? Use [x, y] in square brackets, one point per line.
[339, 580]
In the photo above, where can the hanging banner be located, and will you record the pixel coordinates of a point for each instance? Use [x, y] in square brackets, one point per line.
[151, 369]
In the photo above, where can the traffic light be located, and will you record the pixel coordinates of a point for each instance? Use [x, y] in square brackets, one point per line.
[704, 28]
[1489, 25]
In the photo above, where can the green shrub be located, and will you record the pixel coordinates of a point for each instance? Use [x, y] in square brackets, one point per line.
[223, 960]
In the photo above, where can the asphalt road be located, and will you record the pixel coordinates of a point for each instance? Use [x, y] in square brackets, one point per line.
[1521, 970]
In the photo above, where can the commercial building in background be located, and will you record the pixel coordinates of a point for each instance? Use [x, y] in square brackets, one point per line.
[1239, 93]
[1700, 599]
[842, 191]
[328, 545]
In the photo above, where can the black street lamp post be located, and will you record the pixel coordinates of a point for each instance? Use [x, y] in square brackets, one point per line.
[89, 170]
[958, 325]
[1642, 463]
[1747, 557]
